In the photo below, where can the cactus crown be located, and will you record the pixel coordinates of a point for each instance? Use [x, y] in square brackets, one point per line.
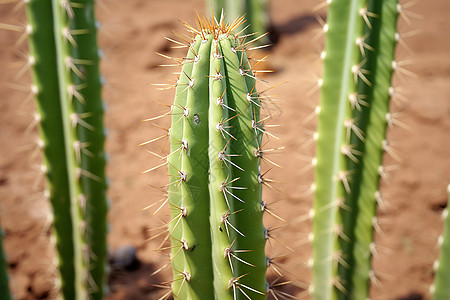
[206, 26]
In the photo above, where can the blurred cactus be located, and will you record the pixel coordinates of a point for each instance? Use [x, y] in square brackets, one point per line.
[216, 227]
[440, 290]
[353, 115]
[256, 14]
[64, 60]
[4, 288]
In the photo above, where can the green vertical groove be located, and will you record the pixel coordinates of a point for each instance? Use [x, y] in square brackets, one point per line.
[441, 287]
[354, 208]
[375, 135]
[4, 288]
[212, 143]
[174, 193]
[345, 205]
[250, 218]
[195, 194]
[341, 53]
[93, 159]
[221, 232]
[45, 78]
[67, 80]
[68, 108]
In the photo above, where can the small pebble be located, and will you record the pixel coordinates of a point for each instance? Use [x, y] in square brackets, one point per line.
[124, 258]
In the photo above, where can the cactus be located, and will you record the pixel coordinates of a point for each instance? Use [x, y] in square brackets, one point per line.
[64, 61]
[216, 227]
[352, 119]
[440, 289]
[255, 11]
[4, 288]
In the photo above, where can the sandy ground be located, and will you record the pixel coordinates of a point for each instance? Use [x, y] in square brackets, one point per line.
[132, 32]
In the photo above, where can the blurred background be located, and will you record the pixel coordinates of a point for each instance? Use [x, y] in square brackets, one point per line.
[131, 33]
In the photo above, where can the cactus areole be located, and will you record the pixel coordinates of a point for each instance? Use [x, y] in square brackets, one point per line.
[216, 226]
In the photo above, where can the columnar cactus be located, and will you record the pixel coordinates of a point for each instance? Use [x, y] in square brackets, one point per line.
[216, 228]
[4, 288]
[353, 115]
[64, 61]
[440, 290]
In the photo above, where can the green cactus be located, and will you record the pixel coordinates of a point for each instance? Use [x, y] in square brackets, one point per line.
[255, 11]
[353, 115]
[64, 58]
[216, 228]
[4, 288]
[440, 290]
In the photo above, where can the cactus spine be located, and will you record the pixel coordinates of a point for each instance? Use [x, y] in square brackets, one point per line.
[353, 116]
[440, 289]
[66, 84]
[216, 228]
